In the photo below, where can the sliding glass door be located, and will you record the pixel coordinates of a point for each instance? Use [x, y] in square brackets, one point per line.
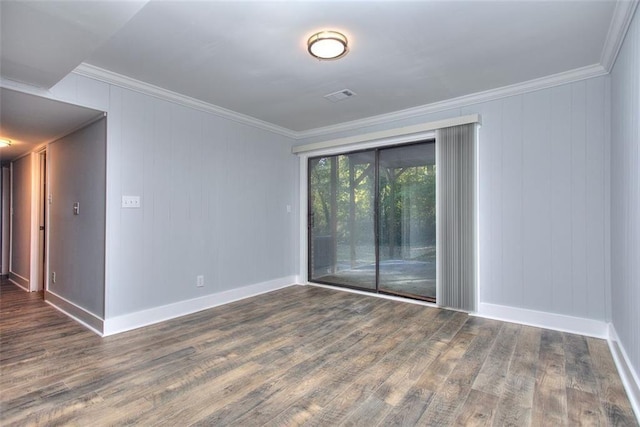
[341, 220]
[407, 221]
[372, 220]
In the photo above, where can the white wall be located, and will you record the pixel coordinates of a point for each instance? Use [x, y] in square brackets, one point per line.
[543, 197]
[21, 187]
[76, 166]
[214, 195]
[625, 194]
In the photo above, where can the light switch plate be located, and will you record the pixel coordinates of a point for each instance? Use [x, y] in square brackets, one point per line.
[130, 201]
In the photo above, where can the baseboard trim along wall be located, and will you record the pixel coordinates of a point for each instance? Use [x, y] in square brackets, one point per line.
[77, 313]
[153, 315]
[19, 281]
[628, 375]
[576, 325]
[542, 319]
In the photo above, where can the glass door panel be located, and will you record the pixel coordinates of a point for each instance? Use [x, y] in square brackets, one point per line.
[341, 220]
[407, 221]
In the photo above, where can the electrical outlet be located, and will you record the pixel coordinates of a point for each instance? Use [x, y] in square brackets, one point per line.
[130, 201]
[53, 277]
[200, 281]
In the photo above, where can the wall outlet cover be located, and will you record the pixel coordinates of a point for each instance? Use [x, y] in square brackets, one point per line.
[130, 201]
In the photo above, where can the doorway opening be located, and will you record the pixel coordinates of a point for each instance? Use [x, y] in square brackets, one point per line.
[42, 220]
[372, 220]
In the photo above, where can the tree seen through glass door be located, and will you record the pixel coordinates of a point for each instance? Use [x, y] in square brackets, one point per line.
[342, 228]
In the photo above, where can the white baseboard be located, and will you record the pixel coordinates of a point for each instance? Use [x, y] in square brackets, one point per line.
[138, 319]
[21, 282]
[77, 313]
[626, 371]
[543, 319]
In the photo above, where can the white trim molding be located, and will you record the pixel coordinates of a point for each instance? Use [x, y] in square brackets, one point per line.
[629, 376]
[558, 79]
[25, 88]
[622, 16]
[85, 318]
[120, 80]
[386, 134]
[19, 281]
[138, 319]
[543, 319]
[116, 79]
[34, 223]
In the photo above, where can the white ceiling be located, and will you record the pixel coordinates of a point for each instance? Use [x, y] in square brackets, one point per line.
[43, 41]
[29, 121]
[251, 58]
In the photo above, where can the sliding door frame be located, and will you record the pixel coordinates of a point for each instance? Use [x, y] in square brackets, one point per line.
[305, 216]
[307, 184]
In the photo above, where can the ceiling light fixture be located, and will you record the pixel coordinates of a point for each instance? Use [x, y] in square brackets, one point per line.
[5, 143]
[327, 45]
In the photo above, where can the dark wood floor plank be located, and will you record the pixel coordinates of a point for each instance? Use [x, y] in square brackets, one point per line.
[492, 375]
[410, 408]
[584, 408]
[610, 389]
[446, 404]
[334, 377]
[550, 397]
[516, 402]
[578, 366]
[399, 368]
[302, 355]
[478, 410]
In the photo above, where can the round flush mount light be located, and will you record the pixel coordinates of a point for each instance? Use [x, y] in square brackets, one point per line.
[327, 45]
[5, 142]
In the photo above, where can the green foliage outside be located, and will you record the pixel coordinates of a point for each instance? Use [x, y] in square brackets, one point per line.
[407, 206]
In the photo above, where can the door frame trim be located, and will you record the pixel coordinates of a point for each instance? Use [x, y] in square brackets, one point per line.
[36, 203]
[303, 158]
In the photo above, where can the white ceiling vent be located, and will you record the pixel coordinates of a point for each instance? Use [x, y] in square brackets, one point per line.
[340, 95]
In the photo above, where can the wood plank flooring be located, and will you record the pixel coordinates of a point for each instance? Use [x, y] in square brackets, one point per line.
[302, 356]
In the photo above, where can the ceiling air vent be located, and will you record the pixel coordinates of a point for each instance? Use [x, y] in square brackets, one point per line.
[340, 95]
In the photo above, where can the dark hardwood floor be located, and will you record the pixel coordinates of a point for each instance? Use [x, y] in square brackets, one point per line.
[302, 355]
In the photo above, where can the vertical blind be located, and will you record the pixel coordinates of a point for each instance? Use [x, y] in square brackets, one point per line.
[456, 213]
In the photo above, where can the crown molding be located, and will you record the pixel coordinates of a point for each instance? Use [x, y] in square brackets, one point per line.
[120, 80]
[24, 88]
[577, 74]
[622, 16]
[620, 21]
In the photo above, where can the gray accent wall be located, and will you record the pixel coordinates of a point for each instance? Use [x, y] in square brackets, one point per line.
[625, 194]
[77, 167]
[543, 197]
[214, 196]
[21, 219]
